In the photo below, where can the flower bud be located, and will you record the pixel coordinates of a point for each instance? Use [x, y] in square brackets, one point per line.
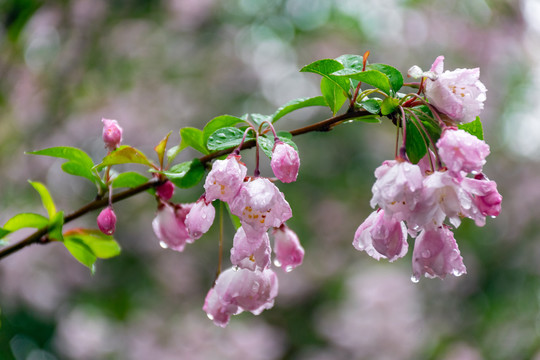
[289, 252]
[285, 162]
[106, 221]
[200, 218]
[112, 134]
[169, 226]
[165, 191]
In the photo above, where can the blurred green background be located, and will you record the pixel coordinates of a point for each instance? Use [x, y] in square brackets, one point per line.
[157, 66]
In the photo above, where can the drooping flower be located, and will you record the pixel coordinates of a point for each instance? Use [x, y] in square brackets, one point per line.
[397, 188]
[239, 290]
[225, 179]
[260, 205]
[458, 93]
[285, 162]
[289, 252]
[250, 252]
[169, 226]
[382, 237]
[436, 254]
[106, 221]
[165, 191]
[485, 197]
[462, 152]
[112, 134]
[200, 218]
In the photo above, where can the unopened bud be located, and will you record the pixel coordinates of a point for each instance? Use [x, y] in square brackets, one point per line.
[112, 134]
[165, 191]
[285, 162]
[106, 221]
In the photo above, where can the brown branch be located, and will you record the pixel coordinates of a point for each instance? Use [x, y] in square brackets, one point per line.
[40, 236]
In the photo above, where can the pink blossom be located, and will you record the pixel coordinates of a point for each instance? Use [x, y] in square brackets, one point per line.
[382, 236]
[289, 252]
[459, 93]
[225, 179]
[260, 206]
[436, 254]
[427, 163]
[165, 191]
[485, 197]
[200, 218]
[461, 151]
[239, 290]
[169, 226]
[112, 134]
[106, 221]
[285, 162]
[397, 188]
[250, 252]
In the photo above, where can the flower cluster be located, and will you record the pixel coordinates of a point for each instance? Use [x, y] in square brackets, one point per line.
[416, 199]
[250, 284]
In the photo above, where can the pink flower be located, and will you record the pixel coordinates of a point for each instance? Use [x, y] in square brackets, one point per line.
[260, 206]
[251, 252]
[459, 93]
[200, 218]
[112, 134]
[485, 197]
[285, 162]
[289, 252]
[382, 236]
[169, 226]
[165, 191]
[436, 254]
[462, 152]
[225, 179]
[239, 290]
[397, 188]
[106, 221]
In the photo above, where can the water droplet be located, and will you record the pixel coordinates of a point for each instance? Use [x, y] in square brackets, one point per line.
[493, 216]
[456, 272]
[426, 254]
[288, 268]
[414, 279]
[277, 263]
[210, 316]
[203, 216]
[163, 245]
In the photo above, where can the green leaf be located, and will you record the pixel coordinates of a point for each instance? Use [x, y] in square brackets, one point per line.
[160, 148]
[333, 95]
[56, 225]
[102, 246]
[371, 105]
[354, 62]
[219, 122]
[46, 197]
[129, 179]
[266, 142]
[79, 163]
[414, 144]
[327, 68]
[393, 74]
[258, 119]
[372, 77]
[298, 104]
[228, 137]
[192, 137]
[3, 233]
[389, 105]
[125, 155]
[25, 220]
[473, 128]
[81, 252]
[186, 174]
[172, 153]
[370, 119]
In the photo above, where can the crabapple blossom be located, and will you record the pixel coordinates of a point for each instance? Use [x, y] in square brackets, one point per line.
[485, 197]
[239, 290]
[250, 252]
[397, 188]
[106, 221]
[382, 236]
[165, 191]
[461, 151]
[289, 252]
[225, 179]
[285, 162]
[260, 205]
[200, 218]
[169, 226]
[458, 93]
[436, 254]
[112, 134]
